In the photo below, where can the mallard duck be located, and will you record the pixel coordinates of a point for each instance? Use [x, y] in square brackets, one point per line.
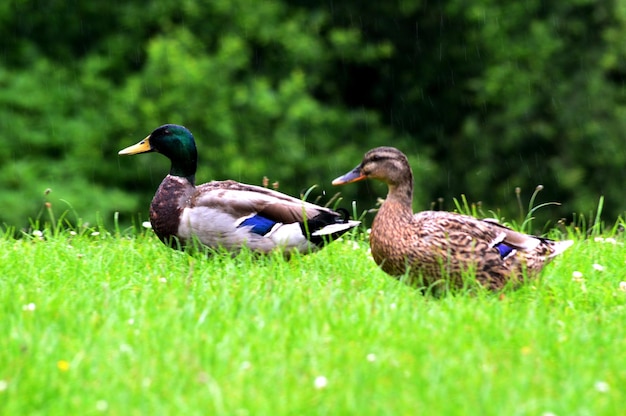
[442, 247]
[228, 214]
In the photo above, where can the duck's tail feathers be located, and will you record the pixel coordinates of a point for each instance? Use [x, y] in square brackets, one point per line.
[327, 226]
[336, 229]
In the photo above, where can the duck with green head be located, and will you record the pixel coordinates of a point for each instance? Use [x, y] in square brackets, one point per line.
[434, 247]
[228, 214]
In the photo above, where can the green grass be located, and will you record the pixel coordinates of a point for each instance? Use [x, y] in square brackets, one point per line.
[106, 324]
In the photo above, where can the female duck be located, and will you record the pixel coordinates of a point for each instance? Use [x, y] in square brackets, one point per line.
[229, 214]
[436, 246]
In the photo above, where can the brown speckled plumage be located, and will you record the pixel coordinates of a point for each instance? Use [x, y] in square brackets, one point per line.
[443, 247]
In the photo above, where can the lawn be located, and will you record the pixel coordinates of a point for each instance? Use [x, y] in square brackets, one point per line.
[106, 323]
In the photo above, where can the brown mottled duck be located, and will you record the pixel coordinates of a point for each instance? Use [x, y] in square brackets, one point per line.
[434, 247]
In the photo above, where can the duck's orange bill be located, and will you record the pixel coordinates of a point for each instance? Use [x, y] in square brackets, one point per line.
[353, 176]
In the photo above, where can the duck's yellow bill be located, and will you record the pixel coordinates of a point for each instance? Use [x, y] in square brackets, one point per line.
[141, 147]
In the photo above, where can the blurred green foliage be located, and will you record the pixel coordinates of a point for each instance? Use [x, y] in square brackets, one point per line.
[483, 96]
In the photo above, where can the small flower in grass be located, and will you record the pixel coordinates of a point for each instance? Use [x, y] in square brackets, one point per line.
[102, 405]
[29, 307]
[371, 357]
[3, 385]
[608, 240]
[63, 365]
[601, 386]
[125, 349]
[393, 306]
[146, 224]
[597, 267]
[320, 382]
[622, 286]
[162, 280]
[37, 233]
[95, 233]
[578, 277]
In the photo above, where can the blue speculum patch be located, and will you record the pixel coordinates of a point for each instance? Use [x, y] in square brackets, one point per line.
[504, 249]
[260, 225]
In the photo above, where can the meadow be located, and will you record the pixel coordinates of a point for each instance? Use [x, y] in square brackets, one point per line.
[99, 322]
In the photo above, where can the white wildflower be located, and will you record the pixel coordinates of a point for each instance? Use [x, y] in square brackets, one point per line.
[146, 224]
[622, 286]
[601, 386]
[102, 405]
[597, 267]
[371, 357]
[608, 240]
[126, 349]
[577, 275]
[29, 307]
[3, 385]
[320, 382]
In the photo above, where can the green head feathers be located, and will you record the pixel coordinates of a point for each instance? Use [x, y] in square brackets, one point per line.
[174, 141]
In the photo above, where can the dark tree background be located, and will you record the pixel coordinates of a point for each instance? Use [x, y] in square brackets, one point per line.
[483, 96]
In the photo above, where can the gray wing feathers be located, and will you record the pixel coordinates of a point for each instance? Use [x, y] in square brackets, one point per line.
[241, 200]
